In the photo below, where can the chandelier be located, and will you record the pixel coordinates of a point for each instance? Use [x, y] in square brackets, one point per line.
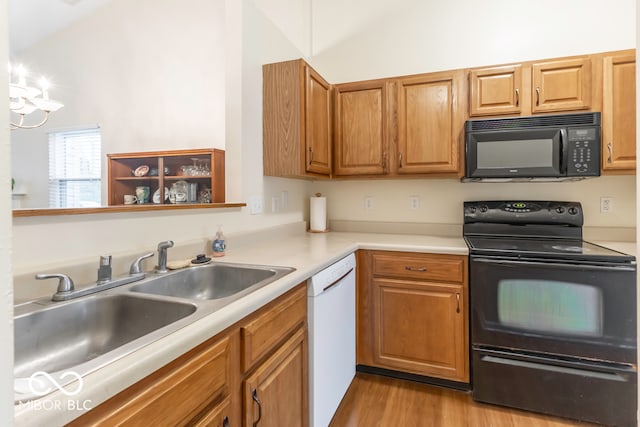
[25, 99]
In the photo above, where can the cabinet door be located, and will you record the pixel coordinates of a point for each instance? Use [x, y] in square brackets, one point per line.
[619, 113]
[317, 123]
[561, 85]
[419, 327]
[276, 394]
[430, 122]
[495, 90]
[361, 128]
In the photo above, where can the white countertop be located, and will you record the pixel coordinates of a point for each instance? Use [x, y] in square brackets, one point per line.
[308, 253]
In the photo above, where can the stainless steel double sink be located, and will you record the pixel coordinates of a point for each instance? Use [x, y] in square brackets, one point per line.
[58, 342]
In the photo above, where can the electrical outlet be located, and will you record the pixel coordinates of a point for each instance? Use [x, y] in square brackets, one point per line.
[414, 202]
[606, 204]
[275, 204]
[368, 203]
[255, 205]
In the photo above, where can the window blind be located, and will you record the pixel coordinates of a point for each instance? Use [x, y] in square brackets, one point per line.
[74, 168]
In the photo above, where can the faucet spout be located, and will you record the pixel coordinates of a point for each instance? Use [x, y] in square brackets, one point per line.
[162, 256]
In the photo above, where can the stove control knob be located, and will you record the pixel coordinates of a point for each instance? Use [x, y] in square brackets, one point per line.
[483, 209]
[573, 211]
[472, 209]
[560, 209]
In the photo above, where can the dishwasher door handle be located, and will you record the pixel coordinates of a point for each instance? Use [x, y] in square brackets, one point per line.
[337, 281]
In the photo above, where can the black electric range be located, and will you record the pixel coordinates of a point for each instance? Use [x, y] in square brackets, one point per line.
[552, 317]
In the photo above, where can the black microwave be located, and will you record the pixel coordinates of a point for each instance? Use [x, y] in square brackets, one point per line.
[545, 147]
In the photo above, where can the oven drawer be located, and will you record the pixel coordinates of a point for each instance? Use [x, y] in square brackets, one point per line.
[442, 268]
[599, 393]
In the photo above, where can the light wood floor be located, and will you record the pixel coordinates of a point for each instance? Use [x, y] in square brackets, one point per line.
[386, 402]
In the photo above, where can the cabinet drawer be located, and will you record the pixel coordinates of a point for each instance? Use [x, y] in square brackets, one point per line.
[271, 326]
[447, 268]
[218, 416]
[185, 388]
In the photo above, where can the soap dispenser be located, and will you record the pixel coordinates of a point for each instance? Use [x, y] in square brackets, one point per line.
[219, 244]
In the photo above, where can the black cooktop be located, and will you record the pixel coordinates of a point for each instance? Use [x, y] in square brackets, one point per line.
[568, 249]
[532, 229]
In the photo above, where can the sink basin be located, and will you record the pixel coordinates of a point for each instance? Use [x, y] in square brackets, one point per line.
[213, 281]
[68, 335]
[57, 343]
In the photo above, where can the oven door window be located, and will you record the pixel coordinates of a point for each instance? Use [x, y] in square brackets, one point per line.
[550, 306]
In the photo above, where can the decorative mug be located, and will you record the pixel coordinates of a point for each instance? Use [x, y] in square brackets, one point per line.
[142, 193]
[130, 199]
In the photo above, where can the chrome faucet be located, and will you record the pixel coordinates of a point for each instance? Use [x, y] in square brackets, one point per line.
[162, 256]
[66, 289]
[104, 271]
[65, 285]
[136, 266]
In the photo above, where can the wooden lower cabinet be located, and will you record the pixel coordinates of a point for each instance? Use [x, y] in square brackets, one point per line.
[276, 393]
[413, 313]
[206, 386]
[418, 327]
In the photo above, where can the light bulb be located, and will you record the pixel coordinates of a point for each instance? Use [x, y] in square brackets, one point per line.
[44, 84]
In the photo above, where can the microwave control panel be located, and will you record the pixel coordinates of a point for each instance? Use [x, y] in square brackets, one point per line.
[583, 151]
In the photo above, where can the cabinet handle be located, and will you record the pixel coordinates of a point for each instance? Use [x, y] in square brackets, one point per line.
[610, 147]
[537, 96]
[225, 422]
[457, 302]
[310, 155]
[400, 160]
[384, 162]
[257, 400]
[420, 269]
[517, 97]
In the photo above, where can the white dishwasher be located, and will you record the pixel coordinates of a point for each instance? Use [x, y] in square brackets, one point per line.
[332, 338]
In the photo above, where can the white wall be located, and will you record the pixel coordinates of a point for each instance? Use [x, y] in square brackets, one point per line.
[440, 200]
[250, 40]
[150, 73]
[6, 288]
[358, 40]
[413, 36]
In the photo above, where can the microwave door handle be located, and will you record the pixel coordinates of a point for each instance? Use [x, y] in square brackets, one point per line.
[564, 147]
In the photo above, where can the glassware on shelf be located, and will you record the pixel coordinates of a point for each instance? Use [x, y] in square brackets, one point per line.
[205, 195]
[203, 167]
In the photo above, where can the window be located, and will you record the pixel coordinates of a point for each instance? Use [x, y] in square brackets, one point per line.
[74, 168]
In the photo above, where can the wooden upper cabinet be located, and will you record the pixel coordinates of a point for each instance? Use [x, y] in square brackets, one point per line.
[430, 121]
[361, 140]
[619, 112]
[561, 85]
[495, 90]
[296, 119]
[318, 123]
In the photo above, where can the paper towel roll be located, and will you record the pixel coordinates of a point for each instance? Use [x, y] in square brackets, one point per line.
[318, 214]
